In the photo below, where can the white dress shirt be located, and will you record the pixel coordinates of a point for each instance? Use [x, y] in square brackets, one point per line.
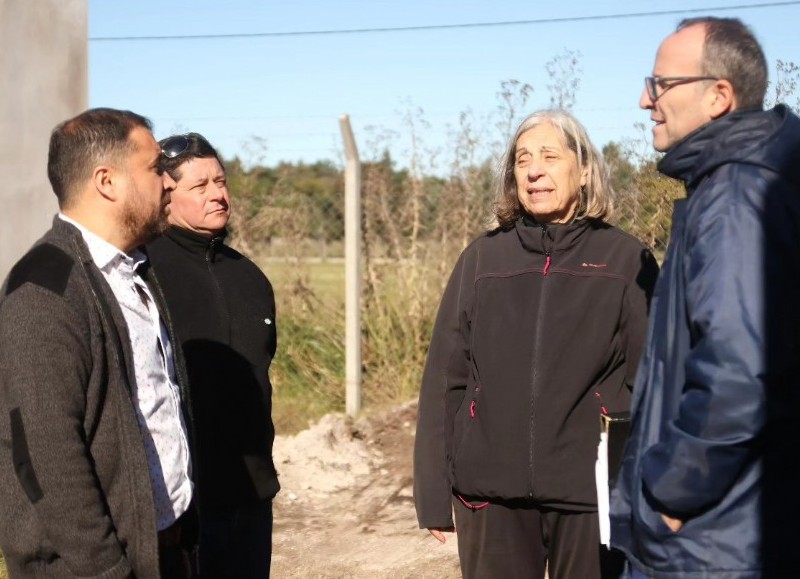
[155, 394]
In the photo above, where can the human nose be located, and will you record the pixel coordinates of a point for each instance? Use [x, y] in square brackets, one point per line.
[645, 100]
[218, 194]
[535, 171]
[168, 182]
[217, 191]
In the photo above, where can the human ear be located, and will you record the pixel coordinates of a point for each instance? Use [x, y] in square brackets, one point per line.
[104, 181]
[721, 99]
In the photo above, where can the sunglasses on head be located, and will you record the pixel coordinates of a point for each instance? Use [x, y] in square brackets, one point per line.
[171, 147]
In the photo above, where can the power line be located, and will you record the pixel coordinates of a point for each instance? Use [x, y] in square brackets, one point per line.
[442, 26]
[429, 113]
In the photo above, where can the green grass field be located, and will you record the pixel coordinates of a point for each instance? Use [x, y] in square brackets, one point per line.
[326, 279]
[308, 372]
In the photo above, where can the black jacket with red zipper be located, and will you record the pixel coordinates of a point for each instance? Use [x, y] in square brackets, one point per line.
[538, 326]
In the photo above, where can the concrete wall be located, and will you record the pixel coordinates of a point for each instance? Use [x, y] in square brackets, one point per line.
[43, 81]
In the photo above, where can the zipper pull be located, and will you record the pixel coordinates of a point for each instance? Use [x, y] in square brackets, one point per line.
[211, 249]
[603, 408]
[547, 254]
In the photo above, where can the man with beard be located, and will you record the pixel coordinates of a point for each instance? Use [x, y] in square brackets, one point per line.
[224, 311]
[94, 446]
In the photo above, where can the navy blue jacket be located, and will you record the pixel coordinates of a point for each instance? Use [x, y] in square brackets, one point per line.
[713, 441]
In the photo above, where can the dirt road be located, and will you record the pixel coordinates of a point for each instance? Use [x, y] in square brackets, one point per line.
[346, 509]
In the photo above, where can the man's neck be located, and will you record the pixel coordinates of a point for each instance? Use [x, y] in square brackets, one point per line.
[103, 226]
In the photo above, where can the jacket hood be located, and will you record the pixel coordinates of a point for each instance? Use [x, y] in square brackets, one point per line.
[767, 139]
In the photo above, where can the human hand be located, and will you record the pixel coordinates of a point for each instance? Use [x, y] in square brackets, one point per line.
[674, 524]
[438, 533]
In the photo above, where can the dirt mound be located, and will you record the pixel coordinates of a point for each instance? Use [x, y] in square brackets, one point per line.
[346, 506]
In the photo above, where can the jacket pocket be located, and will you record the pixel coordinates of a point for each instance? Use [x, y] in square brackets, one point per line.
[465, 419]
[21, 458]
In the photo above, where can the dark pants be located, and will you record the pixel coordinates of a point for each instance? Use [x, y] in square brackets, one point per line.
[177, 562]
[177, 547]
[515, 540]
[236, 542]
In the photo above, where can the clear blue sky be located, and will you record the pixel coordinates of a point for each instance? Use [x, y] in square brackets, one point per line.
[280, 97]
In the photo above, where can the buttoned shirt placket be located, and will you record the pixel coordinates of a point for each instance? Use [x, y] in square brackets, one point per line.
[155, 392]
[157, 396]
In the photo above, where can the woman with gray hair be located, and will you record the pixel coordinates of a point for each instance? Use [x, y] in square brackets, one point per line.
[539, 331]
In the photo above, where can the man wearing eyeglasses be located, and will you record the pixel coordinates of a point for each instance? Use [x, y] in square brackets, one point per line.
[224, 312]
[707, 486]
[95, 471]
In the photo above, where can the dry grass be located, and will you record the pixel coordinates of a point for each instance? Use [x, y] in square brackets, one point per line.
[308, 372]
[398, 307]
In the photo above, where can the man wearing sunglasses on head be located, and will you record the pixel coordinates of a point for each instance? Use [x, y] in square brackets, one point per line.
[94, 424]
[708, 484]
[224, 312]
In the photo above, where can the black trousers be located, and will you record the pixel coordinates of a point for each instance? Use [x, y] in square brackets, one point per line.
[177, 547]
[517, 540]
[236, 542]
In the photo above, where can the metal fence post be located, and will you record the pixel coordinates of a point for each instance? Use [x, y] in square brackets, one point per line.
[352, 268]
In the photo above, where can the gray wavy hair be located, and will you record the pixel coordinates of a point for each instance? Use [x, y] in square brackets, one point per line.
[596, 198]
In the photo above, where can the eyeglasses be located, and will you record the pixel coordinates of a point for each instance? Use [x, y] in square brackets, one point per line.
[653, 83]
[171, 147]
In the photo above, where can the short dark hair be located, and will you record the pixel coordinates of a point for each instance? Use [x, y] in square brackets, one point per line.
[731, 52]
[197, 147]
[81, 143]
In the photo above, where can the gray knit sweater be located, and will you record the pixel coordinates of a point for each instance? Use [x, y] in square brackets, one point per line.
[75, 494]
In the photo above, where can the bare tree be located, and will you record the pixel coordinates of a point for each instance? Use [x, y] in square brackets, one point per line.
[787, 76]
[513, 97]
[565, 75]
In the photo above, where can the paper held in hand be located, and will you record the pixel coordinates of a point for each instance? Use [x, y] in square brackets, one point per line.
[614, 430]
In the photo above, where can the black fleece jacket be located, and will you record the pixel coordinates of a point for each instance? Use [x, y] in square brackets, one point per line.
[223, 308]
[535, 323]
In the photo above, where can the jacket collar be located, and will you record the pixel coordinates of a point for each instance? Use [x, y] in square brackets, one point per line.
[68, 232]
[196, 243]
[762, 138]
[549, 237]
[105, 255]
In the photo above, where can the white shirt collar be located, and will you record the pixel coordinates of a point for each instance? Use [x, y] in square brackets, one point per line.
[104, 254]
